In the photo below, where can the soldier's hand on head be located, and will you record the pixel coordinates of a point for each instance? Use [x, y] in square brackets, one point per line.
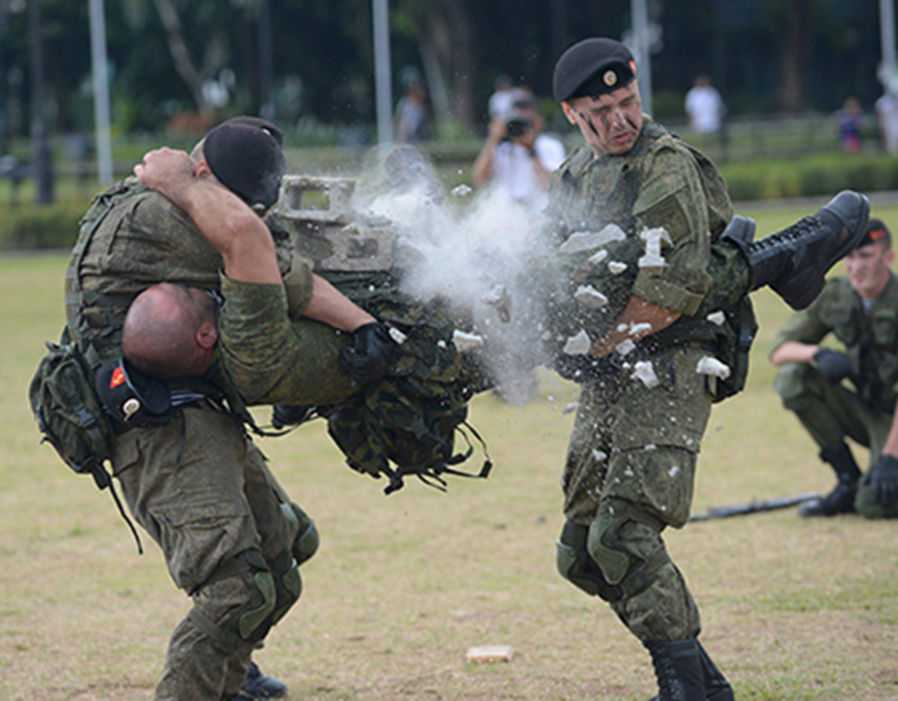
[884, 480]
[370, 354]
[164, 167]
[834, 366]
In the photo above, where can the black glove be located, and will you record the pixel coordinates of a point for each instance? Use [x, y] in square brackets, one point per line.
[884, 480]
[370, 354]
[283, 415]
[834, 366]
[584, 368]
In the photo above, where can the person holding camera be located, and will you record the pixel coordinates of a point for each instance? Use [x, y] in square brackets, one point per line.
[518, 157]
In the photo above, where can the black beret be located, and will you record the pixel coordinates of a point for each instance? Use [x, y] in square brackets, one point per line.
[592, 67]
[244, 153]
[264, 124]
[876, 231]
[127, 392]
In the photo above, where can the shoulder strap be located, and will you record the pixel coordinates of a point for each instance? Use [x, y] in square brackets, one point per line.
[90, 222]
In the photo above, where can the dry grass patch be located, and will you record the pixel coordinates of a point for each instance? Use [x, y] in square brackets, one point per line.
[404, 585]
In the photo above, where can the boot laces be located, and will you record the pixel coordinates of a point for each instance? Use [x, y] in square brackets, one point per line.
[803, 226]
[664, 672]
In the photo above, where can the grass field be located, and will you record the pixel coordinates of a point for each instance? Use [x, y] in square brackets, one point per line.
[404, 584]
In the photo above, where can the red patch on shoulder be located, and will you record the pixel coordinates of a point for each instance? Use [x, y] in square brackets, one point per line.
[118, 377]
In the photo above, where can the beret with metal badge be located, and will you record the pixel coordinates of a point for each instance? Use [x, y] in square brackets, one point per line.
[593, 66]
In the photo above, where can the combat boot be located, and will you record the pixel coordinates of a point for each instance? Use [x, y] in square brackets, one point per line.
[261, 686]
[283, 415]
[717, 688]
[794, 261]
[841, 499]
[678, 669]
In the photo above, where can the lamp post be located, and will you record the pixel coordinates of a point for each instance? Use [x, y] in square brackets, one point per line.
[40, 147]
[101, 91]
[383, 93]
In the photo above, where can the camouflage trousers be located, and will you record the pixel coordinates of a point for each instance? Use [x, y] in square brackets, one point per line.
[629, 474]
[203, 492]
[830, 414]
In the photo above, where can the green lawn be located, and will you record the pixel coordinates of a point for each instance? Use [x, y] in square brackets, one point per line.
[404, 584]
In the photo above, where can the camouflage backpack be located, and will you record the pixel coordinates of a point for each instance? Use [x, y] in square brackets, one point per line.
[70, 415]
[407, 423]
[68, 411]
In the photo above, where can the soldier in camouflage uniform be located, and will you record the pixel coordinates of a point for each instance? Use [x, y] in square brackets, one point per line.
[402, 424]
[231, 537]
[861, 311]
[644, 407]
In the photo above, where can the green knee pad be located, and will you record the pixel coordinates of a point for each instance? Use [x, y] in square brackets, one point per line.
[287, 583]
[304, 534]
[249, 623]
[621, 566]
[575, 564]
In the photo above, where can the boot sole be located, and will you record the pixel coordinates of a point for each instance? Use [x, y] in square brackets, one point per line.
[804, 300]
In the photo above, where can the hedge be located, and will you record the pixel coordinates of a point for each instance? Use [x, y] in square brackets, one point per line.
[813, 175]
[27, 226]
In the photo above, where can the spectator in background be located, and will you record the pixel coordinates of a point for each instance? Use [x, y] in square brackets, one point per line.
[412, 111]
[704, 106]
[887, 115]
[517, 157]
[500, 101]
[851, 124]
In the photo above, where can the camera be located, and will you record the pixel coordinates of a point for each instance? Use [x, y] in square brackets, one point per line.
[516, 126]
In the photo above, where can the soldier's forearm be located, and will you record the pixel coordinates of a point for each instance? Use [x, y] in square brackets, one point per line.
[638, 320]
[793, 352]
[328, 305]
[232, 229]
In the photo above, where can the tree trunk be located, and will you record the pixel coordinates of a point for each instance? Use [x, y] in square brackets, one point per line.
[795, 53]
[447, 50]
[174, 35]
[463, 63]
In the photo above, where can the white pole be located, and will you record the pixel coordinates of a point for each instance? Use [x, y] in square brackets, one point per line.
[887, 35]
[383, 92]
[101, 91]
[640, 18]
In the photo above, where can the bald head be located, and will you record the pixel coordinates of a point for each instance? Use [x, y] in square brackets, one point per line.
[170, 331]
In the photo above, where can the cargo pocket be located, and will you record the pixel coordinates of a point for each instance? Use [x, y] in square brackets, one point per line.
[196, 537]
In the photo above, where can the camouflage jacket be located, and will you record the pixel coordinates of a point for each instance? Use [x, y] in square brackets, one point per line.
[870, 337]
[660, 182]
[130, 239]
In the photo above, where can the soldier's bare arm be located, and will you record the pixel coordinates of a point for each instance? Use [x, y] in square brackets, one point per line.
[230, 226]
[638, 320]
[793, 352]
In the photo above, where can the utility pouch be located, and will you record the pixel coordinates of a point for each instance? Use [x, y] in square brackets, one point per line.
[734, 340]
[68, 410]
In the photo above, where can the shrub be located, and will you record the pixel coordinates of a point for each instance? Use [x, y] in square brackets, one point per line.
[29, 226]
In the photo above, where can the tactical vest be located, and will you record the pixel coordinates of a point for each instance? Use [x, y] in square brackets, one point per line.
[96, 316]
[589, 193]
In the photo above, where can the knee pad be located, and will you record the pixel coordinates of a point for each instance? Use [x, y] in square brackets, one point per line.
[577, 566]
[304, 535]
[621, 564]
[287, 584]
[249, 623]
